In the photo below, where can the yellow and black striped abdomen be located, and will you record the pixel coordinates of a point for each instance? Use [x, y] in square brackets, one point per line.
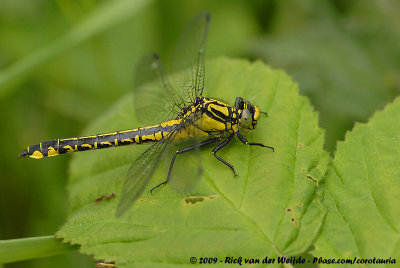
[118, 138]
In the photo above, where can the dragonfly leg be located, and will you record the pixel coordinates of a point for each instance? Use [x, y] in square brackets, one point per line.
[184, 150]
[243, 139]
[219, 147]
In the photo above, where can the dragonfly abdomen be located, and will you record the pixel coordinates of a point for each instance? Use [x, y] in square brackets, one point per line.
[100, 141]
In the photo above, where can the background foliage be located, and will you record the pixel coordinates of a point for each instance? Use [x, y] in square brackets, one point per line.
[64, 62]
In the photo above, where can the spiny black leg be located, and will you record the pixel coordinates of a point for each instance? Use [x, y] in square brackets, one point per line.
[242, 139]
[219, 147]
[184, 150]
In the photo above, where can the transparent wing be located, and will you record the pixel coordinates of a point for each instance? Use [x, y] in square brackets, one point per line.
[188, 166]
[155, 100]
[139, 175]
[187, 66]
[186, 171]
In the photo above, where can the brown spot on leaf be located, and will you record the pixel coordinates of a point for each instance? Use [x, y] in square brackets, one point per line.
[288, 210]
[314, 180]
[104, 196]
[193, 199]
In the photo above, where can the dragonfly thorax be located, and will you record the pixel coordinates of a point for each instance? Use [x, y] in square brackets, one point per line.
[217, 118]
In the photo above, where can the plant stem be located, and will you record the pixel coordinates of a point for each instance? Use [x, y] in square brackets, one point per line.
[31, 248]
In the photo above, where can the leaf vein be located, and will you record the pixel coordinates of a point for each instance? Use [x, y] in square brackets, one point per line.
[348, 224]
[257, 229]
[294, 166]
[371, 189]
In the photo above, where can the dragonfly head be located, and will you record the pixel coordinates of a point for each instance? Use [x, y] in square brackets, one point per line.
[248, 114]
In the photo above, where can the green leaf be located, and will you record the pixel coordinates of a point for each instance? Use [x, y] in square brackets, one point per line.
[271, 209]
[362, 192]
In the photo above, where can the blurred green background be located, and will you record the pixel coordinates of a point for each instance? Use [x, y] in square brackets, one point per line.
[62, 63]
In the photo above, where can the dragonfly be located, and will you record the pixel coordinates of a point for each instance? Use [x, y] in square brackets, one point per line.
[159, 98]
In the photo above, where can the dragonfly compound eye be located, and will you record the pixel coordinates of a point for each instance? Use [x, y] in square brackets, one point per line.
[246, 120]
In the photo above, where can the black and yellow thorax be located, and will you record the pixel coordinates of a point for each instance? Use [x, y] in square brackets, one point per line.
[216, 118]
